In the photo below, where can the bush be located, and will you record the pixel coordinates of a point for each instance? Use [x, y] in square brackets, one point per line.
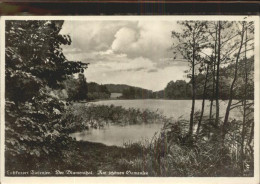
[35, 67]
[173, 153]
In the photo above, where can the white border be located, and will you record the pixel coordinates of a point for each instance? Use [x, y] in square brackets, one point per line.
[124, 180]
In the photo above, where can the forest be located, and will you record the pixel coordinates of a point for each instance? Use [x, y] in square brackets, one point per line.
[79, 89]
[180, 89]
[41, 110]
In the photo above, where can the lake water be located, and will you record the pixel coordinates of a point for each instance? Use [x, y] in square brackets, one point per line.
[118, 135]
[170, 108]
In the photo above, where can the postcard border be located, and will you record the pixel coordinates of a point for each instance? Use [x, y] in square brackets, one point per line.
[125, 180]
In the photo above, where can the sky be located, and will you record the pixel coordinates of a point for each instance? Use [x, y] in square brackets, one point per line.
[136, 53]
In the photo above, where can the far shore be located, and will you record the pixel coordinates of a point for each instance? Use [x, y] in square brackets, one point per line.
[110, 99]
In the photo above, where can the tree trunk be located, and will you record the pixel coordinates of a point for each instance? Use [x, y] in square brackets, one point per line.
[232, 88]
[217, 79]
[251, 135]
[244, 110]
[203, 101]
[193, 91]
[213, 78]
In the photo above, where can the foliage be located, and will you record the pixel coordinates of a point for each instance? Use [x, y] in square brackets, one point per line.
[96, 91]
[76, 89]
[38, 123]
[173, 153]
[117, 88]
[222, 148]
[34, 66]
[178, 90]
[136, 93]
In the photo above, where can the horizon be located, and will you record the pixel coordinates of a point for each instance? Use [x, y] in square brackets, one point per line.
[131, 85]
[126, 85]
[135, 53]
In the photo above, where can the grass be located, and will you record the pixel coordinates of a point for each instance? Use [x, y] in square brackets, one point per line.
[79, 116]
[175, 154]
[169, 153]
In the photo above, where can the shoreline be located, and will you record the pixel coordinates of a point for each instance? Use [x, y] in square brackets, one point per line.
[162, 99]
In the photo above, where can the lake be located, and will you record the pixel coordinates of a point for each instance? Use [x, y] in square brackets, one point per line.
[118, 135]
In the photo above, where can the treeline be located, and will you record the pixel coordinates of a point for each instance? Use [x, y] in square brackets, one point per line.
[221, 66]
[117, 88]
[36, 125]
[97, 91]
[181, 89]
[136, 93]
[78, 89]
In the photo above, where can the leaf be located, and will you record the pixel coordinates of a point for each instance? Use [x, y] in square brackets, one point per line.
[45, 150]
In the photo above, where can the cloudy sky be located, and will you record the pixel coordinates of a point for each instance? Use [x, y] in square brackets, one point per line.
[136, 53]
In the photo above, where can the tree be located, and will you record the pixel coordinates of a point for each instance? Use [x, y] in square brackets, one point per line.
[35, 65]
[237, 55]
[71, 87]
[230, 76]
[214, 36]
[96, 91]
[177, 90]
[204, 93]
[246, 67]
[218, 30]
[241, 72]
[76, 88]
[129, 93]
[222, 34]
[191, 41]
[82, 87]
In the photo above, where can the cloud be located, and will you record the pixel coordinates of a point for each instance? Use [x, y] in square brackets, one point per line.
[112, 73]
[124, 37]
[125, 52]
[149, 39]
[134, 69]
[152, 70]
[93, 35]
[168, 62]
[126, 64]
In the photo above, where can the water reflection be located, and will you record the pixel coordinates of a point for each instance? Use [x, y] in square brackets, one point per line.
[118, 135]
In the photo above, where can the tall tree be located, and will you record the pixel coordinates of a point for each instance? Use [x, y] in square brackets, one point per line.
[218, 68]
[224, 47]
[246, 70]
[231, 91]
[204, 93]
[191, 40]
[34, 66]
[213, 68]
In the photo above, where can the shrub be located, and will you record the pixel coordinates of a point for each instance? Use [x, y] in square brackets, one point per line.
[173, 153]
[35, 66]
